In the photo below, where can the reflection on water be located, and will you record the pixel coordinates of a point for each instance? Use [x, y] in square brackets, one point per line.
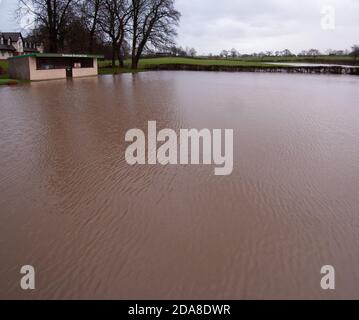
[94, 227]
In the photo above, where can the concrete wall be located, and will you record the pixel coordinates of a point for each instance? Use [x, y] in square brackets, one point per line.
[25, 69]
[19, 69]
[86, 72]
[37, 75]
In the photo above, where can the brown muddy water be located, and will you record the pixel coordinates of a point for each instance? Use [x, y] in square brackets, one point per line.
[94, 227]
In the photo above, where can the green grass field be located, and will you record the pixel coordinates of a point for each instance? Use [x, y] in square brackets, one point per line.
[105, 66]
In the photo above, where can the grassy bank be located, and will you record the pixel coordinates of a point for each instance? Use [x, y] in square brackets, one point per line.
[4, 78]
[8, 82]
[144, 63]
[153, 63]
[117, 70]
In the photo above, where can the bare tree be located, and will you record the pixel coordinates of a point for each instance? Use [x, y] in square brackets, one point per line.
[192, 52]
[52, 15]
[286, 53]
[153, 24]
[114, 17]
[138, 25]
[303, 53]
[234, 53]
[90, 11]
[313, 53]
[224, 54]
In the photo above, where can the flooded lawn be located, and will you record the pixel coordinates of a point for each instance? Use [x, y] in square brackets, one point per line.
[95, 227]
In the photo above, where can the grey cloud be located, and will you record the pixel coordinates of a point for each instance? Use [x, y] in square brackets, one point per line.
[258, 25]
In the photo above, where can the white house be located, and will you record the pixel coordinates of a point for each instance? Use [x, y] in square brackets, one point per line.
[13, 44]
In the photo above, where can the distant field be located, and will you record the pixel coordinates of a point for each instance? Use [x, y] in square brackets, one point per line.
[145, 63]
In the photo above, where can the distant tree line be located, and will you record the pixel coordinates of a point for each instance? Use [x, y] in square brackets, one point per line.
[118, 28]
[233, 53]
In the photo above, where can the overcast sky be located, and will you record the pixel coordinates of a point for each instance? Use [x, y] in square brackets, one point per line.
[252, 25]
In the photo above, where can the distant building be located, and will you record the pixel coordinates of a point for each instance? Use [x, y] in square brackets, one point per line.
[164, 54]
[13, 44]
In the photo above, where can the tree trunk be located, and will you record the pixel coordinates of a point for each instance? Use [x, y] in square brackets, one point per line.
[91, 41]
[61, 43]
[134, 64]
[121, 53]
[136, 56]
[120, 59]
[113, 55]
[93, 28]
[52, 41]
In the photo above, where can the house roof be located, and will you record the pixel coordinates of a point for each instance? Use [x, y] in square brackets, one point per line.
[29, 50]
[13, 35]
[58, 55]
[5, 47]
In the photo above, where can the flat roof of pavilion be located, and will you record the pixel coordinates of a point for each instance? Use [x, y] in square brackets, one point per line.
[58, 55]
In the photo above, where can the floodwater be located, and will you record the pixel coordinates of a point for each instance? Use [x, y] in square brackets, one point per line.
[94, 227]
